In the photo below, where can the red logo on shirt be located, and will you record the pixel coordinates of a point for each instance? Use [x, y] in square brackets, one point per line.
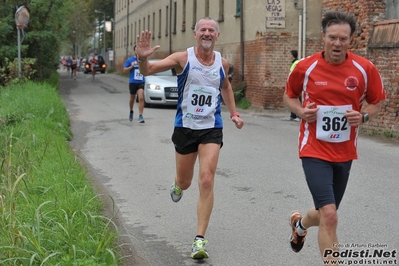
[351, 83]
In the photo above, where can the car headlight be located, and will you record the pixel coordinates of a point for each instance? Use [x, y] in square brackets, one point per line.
[153, 87]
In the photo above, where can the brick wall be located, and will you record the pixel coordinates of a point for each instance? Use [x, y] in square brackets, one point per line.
[387, 61]
[267, 63]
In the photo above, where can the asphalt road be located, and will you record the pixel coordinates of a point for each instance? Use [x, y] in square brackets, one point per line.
[259, 180]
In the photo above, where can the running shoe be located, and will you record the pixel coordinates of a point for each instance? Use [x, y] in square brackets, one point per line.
[141, 119]
[175, 192]
[296, 240]
[198, 252]
[131, 116]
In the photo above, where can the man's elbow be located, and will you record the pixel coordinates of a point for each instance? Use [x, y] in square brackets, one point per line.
[285, 98]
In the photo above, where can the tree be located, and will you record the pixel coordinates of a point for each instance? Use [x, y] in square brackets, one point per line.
[52, 23]
[107, 7]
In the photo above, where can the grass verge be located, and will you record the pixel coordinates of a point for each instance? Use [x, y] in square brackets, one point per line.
[49, 213]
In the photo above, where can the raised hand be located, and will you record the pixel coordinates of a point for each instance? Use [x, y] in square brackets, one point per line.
[143, 45]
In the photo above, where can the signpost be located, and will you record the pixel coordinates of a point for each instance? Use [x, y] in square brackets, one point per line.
[275, 13]
[21, 20]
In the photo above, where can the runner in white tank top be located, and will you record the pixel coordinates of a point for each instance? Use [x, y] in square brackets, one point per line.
[198, 133]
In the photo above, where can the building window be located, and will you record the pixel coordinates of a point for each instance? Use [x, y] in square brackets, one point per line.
[133, 32]
[194, 14]
[392, 8]
[238, 8]
[183, 24]
[125, 40]
[221, 10]
[174, 17]
[167, 21]
[136, 32]
[153, 25]
[159, 23]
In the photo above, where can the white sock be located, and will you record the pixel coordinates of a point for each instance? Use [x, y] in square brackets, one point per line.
[300, 229]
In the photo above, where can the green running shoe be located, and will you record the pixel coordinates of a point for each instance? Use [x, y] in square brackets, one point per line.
[198, 252]
[175, 192]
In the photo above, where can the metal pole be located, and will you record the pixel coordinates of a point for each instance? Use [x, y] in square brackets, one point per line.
[242, 39]
[127, 30]
[305, 15]
[170, 27]
[19, 52]
[104, 36]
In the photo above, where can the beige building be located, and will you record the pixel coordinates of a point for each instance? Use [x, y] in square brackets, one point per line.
[258, 35]
[172, 23]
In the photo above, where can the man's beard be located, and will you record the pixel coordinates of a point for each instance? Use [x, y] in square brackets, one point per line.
[206, 44]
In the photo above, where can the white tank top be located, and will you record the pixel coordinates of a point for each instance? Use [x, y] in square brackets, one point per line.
[199, 93]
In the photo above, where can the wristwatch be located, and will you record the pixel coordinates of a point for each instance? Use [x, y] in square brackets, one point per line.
[366, 117]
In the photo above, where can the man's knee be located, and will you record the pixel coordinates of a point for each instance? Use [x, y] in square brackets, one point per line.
[184, 184]
[328, 215]
[206, 180]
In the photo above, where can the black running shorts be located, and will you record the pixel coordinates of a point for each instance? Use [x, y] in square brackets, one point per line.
[186, 140]
[326, 180]
[134, 87]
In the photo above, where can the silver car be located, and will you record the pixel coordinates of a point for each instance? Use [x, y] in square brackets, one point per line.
[161, 88]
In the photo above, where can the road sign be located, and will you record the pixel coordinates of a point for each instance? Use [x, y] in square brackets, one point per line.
[111, 55]
[275, 13]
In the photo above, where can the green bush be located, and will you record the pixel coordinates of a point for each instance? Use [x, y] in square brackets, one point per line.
[239, 91]
[239, 96]
[9, 73]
